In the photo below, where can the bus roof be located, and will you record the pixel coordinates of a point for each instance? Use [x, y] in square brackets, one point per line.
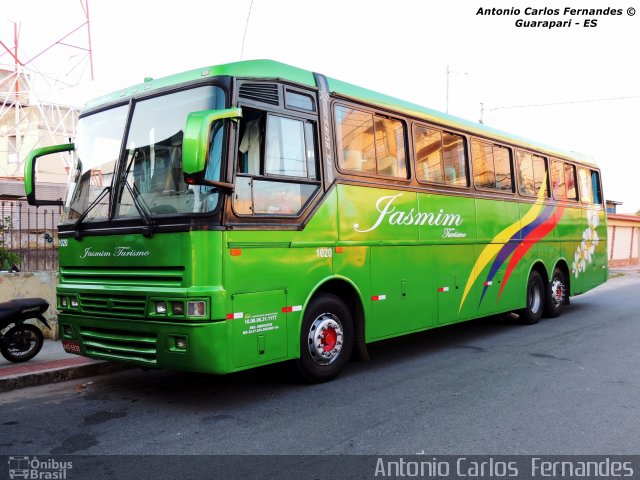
[276, 70]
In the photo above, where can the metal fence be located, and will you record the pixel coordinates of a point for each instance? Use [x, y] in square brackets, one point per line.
[28, 237]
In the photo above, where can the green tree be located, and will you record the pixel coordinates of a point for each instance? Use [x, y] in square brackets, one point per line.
[8, 259]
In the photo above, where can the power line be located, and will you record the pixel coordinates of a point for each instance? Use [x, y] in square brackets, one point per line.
[565, 103]
[591, 100]
[246, 26]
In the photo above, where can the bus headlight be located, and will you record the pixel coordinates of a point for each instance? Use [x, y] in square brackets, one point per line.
[197, 308]
[177, 308]
[161, 308]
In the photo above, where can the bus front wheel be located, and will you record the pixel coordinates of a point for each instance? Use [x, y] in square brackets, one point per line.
[326, 338]
[535, 299]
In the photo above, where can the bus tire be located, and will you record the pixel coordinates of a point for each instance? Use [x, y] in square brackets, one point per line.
[326, 338]
[556, 293]
[535, 299]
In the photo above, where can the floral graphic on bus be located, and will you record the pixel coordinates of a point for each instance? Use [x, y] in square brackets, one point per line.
[587, 247]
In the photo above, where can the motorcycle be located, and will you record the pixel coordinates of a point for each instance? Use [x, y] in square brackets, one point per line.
[22, 341]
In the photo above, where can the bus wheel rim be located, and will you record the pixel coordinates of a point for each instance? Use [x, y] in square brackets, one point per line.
[326, 338]
[557, 292]
[535, 299]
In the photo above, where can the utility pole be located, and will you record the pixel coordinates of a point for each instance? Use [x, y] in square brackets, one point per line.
[447, 110]
[449, 73]
[16, 90]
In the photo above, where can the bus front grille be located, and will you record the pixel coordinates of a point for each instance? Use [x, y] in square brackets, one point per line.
[139, 276]
[123, 345]
[101, 305]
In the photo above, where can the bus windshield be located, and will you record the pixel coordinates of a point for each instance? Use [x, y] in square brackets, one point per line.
[152, 178]
[98, 142]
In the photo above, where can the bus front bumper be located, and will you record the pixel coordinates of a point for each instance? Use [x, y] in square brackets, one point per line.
[197, 347]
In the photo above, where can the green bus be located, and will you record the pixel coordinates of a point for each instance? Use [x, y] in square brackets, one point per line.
[254, 212]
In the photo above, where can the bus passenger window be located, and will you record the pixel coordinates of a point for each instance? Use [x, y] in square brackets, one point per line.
[570, 181]
[557, 180]
[586, 190]
[370, 147]
[502, 162]
[428, 144]
[455, 160]
[354, 135]
[492, 166]
[390, 154]
[532, 173]
[484, 175]
[595, 184]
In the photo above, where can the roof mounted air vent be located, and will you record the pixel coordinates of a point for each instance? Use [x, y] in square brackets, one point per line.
[260, 92]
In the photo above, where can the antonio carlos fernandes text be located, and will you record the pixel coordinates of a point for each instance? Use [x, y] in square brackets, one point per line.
[491, 467]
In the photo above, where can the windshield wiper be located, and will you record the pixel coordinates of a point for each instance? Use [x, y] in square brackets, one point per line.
[142, 209]
[76, 226]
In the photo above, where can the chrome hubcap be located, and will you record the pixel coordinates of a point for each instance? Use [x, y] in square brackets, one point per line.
[557, 292]
[325, 339]
[535, 299]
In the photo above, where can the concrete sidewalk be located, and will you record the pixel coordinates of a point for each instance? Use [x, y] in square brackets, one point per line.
[51, 365]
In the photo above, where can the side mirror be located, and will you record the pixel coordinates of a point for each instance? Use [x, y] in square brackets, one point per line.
[30, 172]
[196, 143]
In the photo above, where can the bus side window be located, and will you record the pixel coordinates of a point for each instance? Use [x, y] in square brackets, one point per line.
[276, 170]
[532, 173]
[355, 140]
[428, 145]
[390, 147]
[557, 180]
[482, 154]
[570, 181]
[369, 143]
[595, 185]
[492, 166]
[504, 172]
[456, 171]
[586, 190]
[252, 138]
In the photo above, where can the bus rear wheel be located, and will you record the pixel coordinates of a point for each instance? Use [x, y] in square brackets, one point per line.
[535, 299]
[556, 294]
[326, 339]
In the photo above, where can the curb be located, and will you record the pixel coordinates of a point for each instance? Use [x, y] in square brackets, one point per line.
[55, 374]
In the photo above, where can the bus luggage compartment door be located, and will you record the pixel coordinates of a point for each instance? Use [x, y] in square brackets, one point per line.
[259, 328]
[402, 287]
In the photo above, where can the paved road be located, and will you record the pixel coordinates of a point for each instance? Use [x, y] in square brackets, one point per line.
[565, 386]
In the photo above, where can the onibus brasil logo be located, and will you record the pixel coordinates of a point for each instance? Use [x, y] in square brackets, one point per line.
[37, 469]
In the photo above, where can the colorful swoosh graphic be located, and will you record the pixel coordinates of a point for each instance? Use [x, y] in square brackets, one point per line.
[538, 222]
[514, 243]
[529, 241]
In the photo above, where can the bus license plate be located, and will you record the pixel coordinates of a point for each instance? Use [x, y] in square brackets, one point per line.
[71, 346]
